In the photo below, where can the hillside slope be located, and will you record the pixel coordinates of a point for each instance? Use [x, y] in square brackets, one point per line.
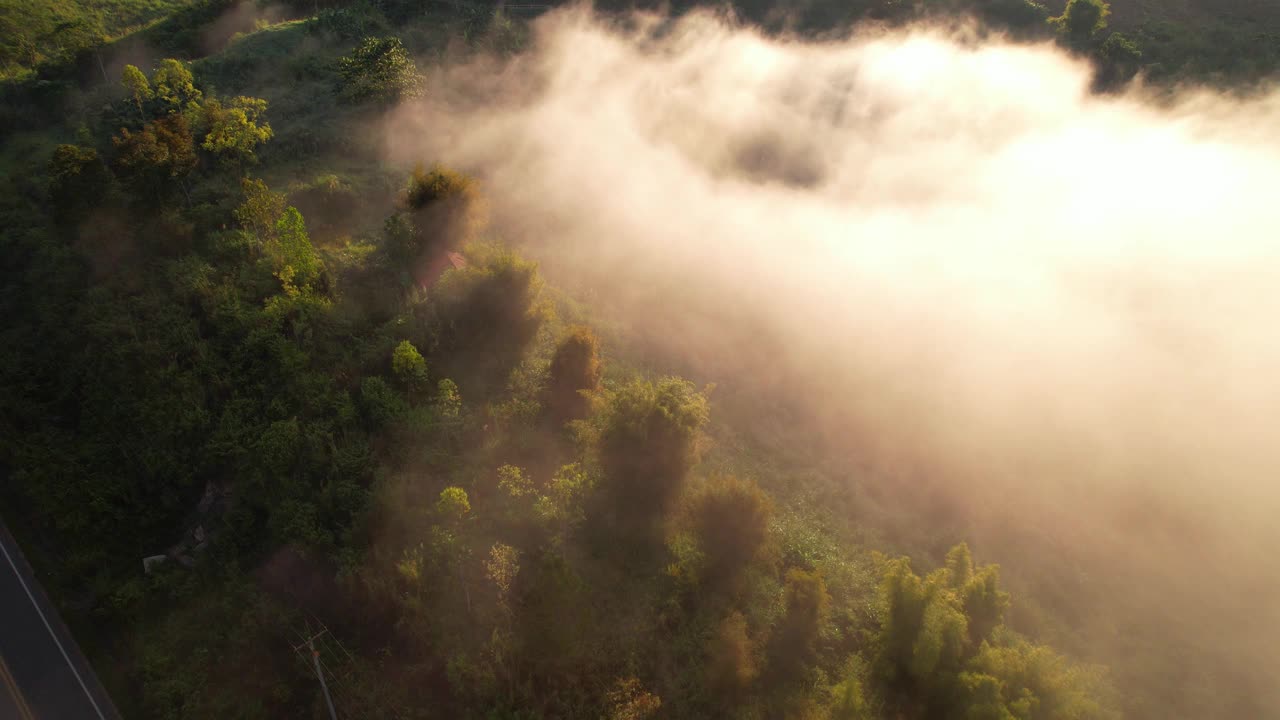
[228, 352]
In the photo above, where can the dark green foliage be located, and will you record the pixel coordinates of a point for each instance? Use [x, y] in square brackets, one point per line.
[378, 401]
[77, 182]
[1121, 50]
[574, 374]
[1213, 50]
[1119, 59]
[380, 70]
[342, 22]
[486, 315]
[1016, 14]
[1081, 20]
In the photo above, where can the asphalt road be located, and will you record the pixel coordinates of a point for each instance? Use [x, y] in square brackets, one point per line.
[43, 675]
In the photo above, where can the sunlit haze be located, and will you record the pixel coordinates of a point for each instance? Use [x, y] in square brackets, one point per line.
[961, 261]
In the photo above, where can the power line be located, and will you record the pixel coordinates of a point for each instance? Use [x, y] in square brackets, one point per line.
[316, 661]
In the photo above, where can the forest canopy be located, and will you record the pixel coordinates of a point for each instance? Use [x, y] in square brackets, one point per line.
[322, 387]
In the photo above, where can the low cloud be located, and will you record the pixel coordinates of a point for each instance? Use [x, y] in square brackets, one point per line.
[951, 256]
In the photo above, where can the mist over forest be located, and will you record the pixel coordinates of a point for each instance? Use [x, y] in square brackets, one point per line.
[770, 360]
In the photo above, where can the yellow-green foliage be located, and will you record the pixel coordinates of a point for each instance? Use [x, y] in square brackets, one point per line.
[409, 365]
[173, 86]
[513, 481]
[136, 84]
[261, 208]
[453, 503]
[234, 130]
[297, 264]
[942, 647]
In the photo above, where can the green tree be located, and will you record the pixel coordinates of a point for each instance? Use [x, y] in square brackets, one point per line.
[428, 188]
[1081, 20]
[409, 366]
[156, 159]
[486, 315]
[138, 87]
[648, 441]
[923, 630]
[77, 182]
[984, 602]
[1031, 682]
[448, 402]
[848, 701]
[453, 504]
[501, 568]
[174, 87]
[574, 372]
[793, 646]
[960, 564]
[562, 503]
[982, 698]
[296, 263]
[379, 401]
[233, 130]
[730, 518]
[441, 209]
[981, 599]
[1120, 58]
[379, 70]
[261, 210]
[514, 482]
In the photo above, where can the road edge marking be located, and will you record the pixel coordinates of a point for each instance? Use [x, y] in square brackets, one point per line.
[52, 634]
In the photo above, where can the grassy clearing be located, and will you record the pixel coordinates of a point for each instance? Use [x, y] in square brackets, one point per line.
[35, 32]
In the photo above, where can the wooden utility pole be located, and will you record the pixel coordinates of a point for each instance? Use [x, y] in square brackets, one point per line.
[310, 644]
